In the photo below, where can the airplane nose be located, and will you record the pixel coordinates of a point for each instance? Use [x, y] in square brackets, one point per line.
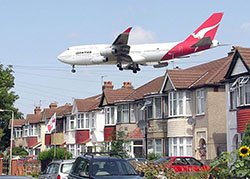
[63, 58]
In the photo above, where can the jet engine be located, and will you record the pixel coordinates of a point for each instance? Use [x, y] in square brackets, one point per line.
[108, 51]
[98, 60]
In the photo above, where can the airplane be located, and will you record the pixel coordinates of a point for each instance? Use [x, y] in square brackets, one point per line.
[129, 57]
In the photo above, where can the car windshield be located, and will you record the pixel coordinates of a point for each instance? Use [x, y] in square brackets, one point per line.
[66, 167]
[113, 167]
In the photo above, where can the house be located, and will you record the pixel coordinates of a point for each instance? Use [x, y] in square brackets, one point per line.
[238, 96]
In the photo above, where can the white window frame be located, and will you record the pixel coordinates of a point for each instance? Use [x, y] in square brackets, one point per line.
[123, 113]
[200, 101]
[18, 132]
[80, 121]
[110, 115]
[25, 130]
[178, 101]
[180, 146]
[93, 120]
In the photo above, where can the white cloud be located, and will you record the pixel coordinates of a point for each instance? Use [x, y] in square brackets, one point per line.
[245, 27]
[139, 35]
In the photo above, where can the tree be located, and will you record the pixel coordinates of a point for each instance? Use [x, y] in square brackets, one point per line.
[7, 99]
[117, 146]
[246, 138]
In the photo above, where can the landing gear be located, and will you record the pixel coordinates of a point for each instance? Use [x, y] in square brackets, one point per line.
[119, 66]
[135, 68]
[73, 69]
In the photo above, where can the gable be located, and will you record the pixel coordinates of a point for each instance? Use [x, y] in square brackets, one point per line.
[239, 68]
[167, 85]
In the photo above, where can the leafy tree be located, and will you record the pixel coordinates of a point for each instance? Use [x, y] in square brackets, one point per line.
[246, 138]
[7, 99]
[117, 146]
[19, 151]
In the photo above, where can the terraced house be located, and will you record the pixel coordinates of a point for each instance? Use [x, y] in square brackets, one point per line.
[183, 113]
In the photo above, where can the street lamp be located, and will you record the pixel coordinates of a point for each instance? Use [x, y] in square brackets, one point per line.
[11, 136]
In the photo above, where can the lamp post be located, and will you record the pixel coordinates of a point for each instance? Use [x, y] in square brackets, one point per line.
[11, 136]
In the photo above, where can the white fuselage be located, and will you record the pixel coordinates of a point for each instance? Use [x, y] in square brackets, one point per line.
[145, 54]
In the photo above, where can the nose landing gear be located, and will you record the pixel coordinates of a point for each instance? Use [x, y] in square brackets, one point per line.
[73, 69]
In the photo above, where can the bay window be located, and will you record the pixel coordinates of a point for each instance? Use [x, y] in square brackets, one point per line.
[179, 103]
[180, 146]
[109, 115]
[123, 113]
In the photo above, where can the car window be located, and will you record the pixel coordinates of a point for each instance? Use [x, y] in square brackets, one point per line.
[162, 160]
[54, 168]
[180, 161]
[80, 167]
[66, 167]
[193, 161]
[114, 167]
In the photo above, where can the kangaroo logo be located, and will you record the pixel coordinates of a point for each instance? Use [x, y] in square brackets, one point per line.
[202, 32]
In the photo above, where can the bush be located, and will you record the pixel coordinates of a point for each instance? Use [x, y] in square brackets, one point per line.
[50, 154]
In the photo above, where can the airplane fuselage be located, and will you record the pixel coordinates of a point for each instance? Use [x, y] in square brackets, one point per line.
[131, 56]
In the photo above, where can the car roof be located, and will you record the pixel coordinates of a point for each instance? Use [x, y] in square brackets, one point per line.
[62, 161]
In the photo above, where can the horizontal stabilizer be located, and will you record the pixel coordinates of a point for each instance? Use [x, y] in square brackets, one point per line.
[205, 41]
[160, 65]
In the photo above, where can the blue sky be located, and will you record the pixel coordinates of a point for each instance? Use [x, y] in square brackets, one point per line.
[34, 33]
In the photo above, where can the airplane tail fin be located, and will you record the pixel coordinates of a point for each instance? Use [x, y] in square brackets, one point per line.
[207, 30]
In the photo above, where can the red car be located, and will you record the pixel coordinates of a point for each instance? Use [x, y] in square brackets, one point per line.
[183, 164]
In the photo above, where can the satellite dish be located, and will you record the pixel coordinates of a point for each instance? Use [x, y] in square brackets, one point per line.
[141, 124]
[191, 121]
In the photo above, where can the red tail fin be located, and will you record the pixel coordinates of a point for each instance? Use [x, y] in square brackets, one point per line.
[207, 29]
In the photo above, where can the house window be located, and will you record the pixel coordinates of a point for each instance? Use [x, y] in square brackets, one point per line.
[26, 131]
[149, 104]
[155, 146]
[158, 107]
[179, 103]
[123, 113]
[109, 115]
[188, 103]
[200, 101]
[165, 106]
[93, 119]
[132, 113]
[80, 121]
[72, 122]
[180, 146]
[80, 149]
[240, 92]
[18, 132]
[87, 120]
[32, 130]
[71, 149]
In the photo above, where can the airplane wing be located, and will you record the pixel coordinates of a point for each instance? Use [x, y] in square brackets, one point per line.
[122, 38]
[205, 41]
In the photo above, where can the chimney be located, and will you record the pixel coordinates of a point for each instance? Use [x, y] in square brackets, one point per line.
[53, 105]
[107, 85]
[127, 85]
[37, 110]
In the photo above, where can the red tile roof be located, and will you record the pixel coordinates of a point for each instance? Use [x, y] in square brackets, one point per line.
[33, 118]
[18, 122]
[205, 74]
[88, 104]
[116, 95]
[153, 86]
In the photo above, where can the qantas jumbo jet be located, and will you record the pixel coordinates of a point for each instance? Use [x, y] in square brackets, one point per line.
[129, 57]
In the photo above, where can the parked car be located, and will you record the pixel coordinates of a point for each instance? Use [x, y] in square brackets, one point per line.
[57, 170]
[183, 164]
[14, 177]
[90, 165]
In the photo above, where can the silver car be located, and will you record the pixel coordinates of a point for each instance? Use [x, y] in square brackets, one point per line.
[57, 170]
